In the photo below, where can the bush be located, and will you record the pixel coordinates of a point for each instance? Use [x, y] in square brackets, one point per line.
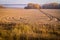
[1, 6]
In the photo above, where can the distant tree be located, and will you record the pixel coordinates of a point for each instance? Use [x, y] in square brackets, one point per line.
[37, 6]
[32, 6]
[51, 6]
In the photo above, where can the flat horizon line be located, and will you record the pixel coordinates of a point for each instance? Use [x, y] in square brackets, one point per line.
[14, 4]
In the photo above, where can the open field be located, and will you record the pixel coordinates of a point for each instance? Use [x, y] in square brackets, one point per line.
[54, 12]
[28, 15]
[29, 24]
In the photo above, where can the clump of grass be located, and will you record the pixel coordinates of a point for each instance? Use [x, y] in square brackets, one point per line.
[21, 31]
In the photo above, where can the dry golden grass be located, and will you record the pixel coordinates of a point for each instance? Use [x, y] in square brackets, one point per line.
[32, 25]
[23, 31]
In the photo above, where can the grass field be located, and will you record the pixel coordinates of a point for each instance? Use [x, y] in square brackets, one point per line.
[29, 24]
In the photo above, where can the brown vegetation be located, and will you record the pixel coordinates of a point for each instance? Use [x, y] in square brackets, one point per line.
[23, 31]
[51, 6]
[1, 6]
[44, 6]
[29, 29]
[32, 6]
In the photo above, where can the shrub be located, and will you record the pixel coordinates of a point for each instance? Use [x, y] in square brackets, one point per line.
[1, 6]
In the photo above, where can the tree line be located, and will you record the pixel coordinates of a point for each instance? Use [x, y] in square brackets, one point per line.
[51, 6]
[38, 6]
[44, 6]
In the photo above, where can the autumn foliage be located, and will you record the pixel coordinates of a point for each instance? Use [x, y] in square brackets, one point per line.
[44, 6]
[32, 6]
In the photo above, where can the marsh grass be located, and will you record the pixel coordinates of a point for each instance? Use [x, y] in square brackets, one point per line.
[22, 31]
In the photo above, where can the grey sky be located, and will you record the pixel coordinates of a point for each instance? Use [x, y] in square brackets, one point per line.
[27, 1]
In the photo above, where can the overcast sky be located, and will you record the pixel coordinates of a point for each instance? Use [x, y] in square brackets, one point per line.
[27, 1]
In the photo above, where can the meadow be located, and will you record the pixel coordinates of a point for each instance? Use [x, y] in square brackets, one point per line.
[31, 24]
[23, 31]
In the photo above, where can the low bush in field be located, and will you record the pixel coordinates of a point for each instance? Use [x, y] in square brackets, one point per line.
[1, 6]
[21, 31]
